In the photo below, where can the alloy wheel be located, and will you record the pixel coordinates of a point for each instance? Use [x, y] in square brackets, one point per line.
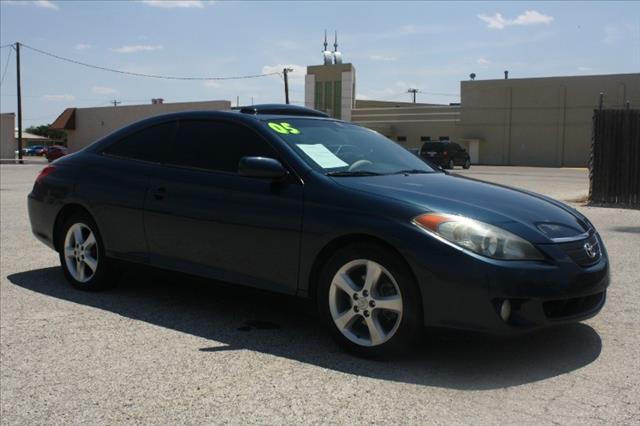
[365, 302]
[81, 252]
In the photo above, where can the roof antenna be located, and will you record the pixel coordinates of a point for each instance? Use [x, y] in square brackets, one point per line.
[337, 56]
[325, 53]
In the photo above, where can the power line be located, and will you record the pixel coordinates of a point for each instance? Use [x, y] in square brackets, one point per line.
[164, 77]
[6, 67]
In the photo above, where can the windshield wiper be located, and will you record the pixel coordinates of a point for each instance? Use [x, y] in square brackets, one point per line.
[353, 173]
[411, 171]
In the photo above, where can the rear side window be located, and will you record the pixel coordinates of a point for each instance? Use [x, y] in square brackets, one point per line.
[150, 144]
[432, 146]
[216, 145]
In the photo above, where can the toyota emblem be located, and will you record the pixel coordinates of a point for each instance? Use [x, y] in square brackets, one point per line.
[591, 250]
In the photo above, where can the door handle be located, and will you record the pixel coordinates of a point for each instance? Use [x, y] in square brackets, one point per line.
[159, 194]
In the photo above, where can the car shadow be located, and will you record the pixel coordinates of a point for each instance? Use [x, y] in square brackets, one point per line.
[236, 318]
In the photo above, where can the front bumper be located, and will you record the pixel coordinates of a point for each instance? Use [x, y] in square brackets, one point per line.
[467, 292]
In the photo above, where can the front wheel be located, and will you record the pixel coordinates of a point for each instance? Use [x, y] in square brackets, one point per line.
[82, 253]
[369, 300]
[467, 164]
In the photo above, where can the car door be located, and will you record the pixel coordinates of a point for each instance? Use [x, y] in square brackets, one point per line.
[202, 217]
[118, 183]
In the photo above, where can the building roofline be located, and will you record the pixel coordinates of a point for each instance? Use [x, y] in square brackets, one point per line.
[493, 80]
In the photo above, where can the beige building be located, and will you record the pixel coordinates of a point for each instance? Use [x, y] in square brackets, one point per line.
[540, 121]
[8, 142]
[525, 122]
[86, 125]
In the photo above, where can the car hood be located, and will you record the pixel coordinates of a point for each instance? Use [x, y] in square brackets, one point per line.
[535, 217]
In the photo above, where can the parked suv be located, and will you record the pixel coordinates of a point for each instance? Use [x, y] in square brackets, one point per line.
[446, 153]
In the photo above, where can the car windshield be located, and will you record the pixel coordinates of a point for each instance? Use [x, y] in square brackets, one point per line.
[342, 149]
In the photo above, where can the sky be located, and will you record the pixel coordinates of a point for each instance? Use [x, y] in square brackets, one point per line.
[394, 46]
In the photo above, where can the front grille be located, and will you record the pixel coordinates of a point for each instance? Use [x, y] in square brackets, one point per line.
[577, 251]
[558, 309]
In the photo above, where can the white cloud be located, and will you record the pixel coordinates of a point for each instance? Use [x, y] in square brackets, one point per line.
[382, 58]
[172, 4]
[82, 46]
[59, 98]
[532, 17]
[529, 17]
[47, 4]
[212, 84]
[585, 69]
[102, 90]
[483, 62]
[136, 48]
[44, 4]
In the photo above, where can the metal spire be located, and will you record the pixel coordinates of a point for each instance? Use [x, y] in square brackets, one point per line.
[335, 43]
[325, 40]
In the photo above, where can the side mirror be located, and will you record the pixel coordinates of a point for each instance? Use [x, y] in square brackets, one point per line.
[261, 167]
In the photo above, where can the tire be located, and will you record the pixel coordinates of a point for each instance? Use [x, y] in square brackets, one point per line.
[467, 164]
[351, 319]
[450, 164]
[84, 262]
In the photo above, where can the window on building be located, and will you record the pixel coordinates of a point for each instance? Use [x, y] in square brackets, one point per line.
[444, 138]
[401, 138]
[150, 144]
[337, 99]
[319, 96]
[425, 138]
[216, 145]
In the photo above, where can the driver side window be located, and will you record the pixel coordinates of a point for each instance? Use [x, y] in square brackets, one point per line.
[216, 145]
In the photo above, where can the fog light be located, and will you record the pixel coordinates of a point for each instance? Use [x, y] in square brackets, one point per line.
[505, 310]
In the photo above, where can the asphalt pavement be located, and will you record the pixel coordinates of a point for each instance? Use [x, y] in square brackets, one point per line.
[168, 349]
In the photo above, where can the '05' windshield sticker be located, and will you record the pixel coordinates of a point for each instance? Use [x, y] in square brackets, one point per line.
[284, 128]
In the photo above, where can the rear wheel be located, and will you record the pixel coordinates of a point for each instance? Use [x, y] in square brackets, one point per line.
[450, 164]
[82, 253]
[369, 300]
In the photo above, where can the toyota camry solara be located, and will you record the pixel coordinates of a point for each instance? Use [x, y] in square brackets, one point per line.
[286, 199]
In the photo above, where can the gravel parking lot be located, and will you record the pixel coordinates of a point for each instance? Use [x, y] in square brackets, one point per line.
[168, 349]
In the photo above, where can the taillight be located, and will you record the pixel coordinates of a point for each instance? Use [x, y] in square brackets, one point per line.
[444, 152]
[44, 173]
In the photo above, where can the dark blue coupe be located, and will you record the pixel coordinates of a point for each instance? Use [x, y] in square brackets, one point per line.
[286, 199]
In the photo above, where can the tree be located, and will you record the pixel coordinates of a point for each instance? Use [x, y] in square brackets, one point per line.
[44, 130]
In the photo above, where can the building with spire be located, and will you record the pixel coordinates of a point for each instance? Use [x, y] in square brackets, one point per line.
[331, 87]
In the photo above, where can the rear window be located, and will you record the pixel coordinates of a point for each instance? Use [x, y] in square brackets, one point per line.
[149, 144]
[432, 146]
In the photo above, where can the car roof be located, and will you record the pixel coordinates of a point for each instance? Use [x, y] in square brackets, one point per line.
[265, 112]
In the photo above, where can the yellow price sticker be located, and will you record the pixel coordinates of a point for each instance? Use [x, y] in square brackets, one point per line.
[284, 128]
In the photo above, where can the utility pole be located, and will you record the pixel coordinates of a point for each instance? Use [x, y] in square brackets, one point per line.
[115, 102]
[19, 88]
[286, 72]
[413, 92]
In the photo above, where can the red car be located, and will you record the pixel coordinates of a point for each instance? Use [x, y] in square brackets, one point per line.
[56, 151]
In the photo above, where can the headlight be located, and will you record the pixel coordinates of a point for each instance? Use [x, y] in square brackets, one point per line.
[478, 237]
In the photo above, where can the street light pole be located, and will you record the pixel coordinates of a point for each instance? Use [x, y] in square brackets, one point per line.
[286, 72]
[19, 91]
